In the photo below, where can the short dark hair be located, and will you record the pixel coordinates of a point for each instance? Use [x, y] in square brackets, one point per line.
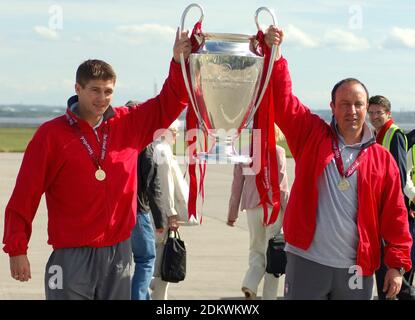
[382, 101]
[94, 70]
[347, 80]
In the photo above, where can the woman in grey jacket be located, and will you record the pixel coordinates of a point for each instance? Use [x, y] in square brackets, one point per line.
[245, 195]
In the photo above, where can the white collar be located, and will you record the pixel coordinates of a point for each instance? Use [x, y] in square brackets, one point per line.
[367, 136]
[99, 123]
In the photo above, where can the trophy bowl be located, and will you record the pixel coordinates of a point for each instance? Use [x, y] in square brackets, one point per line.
[224, 88]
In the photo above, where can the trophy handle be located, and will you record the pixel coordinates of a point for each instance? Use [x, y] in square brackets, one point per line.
[274, 51]
[182, 62]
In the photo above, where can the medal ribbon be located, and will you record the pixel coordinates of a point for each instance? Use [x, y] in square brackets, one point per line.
[97, 162]
[339, 161]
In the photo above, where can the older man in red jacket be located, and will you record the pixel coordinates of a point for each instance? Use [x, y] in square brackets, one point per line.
[346, 196]
[86, 162]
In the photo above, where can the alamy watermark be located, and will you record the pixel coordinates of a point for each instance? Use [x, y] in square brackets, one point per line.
[356, 280]
[356, 17]
[219, 142]
[55, 17]
[56, 279]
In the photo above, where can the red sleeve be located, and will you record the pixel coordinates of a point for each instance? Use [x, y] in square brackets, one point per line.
[294, 119]
[160, 111]
[394, 220]
[30, 185]
[282, 177]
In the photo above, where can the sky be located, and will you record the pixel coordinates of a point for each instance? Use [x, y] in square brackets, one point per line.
[43, 42]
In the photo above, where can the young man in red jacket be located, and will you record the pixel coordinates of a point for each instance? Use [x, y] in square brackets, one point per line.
[346, 196]
[86, 162]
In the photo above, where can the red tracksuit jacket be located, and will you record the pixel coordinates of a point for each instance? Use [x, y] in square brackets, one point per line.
[381, 209]
[83, 211]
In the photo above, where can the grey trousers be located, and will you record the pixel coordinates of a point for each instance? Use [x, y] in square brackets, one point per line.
[308, 280]
[88, 273]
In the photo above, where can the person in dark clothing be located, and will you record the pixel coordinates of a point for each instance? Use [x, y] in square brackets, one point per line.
[142, 237]
[389, 135]
[410, 189]
[411, 138]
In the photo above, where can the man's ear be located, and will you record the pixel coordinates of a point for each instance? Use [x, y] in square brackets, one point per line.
[77, 88]
[332, 107]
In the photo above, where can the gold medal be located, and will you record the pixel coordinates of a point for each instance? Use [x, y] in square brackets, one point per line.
[100, 174]
[343, 185]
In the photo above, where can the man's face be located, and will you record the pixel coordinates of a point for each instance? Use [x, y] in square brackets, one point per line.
[378, 116]
[350, 108]
[94, 98]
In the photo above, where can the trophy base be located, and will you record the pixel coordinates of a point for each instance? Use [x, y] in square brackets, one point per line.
[212, 158]
[223, 155]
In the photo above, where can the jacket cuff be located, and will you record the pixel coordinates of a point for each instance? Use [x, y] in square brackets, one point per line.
[280, 63]
[15, 252]
[16, 245]
[403, 262]
[174, 64]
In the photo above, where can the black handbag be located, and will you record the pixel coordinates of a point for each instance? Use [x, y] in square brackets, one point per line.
[173, 264]
[276, 256]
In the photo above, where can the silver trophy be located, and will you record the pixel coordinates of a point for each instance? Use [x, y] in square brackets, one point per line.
[224, 87]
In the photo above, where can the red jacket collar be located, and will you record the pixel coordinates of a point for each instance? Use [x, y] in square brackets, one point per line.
[108, 114]
[382, 132]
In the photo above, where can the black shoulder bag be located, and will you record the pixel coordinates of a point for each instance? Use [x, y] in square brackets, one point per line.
[276, 256]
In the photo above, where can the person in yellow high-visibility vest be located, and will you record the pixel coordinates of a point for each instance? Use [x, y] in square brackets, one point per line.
[389, 135]
[410, 188]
